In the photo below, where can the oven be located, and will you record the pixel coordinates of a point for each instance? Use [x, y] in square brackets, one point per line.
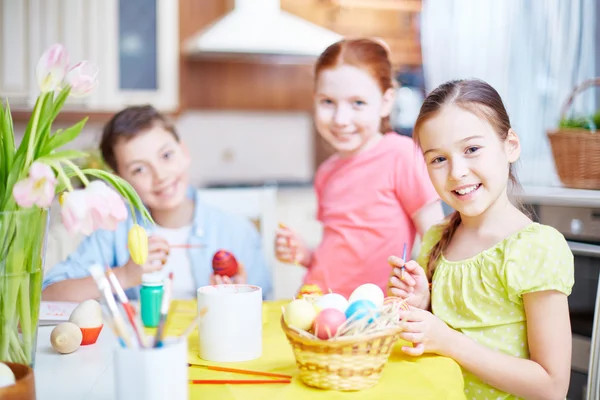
[581, 228]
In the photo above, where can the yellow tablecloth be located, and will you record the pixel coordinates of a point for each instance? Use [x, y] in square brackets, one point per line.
[404, 377]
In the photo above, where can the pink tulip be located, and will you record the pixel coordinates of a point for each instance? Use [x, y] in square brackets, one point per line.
[38, 188]
[75, 212]
[83, 78]
[108, 208]
[52, 68]
[96, 207]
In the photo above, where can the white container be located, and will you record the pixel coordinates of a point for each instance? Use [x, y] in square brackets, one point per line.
[152, 374]
[231, 329]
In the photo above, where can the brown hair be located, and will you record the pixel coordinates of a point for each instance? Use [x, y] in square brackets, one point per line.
[128, 123]
[369, 55]
[481, 99]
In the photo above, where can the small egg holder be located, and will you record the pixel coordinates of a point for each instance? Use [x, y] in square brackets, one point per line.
[354, 358]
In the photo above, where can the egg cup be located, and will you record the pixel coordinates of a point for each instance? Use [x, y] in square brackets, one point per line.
[24, 387]
[90, 335]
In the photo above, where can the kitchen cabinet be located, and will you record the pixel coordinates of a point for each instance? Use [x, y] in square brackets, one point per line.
[135, 43]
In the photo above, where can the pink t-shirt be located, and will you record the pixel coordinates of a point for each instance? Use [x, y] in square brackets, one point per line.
[365, 203]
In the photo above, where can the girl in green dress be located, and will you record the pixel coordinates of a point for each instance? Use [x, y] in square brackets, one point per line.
[497, 301]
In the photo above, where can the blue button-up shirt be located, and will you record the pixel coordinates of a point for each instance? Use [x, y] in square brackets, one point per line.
[212, 227]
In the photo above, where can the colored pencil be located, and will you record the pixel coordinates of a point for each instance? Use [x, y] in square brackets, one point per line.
[237, 381]
[240, 371]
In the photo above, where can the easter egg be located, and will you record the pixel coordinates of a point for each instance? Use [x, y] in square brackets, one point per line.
[300, 314]
[332, 300]
[327, 323]
[361, 308]
[368, 291]
[224, 263]
[7, 377]
[309, 290]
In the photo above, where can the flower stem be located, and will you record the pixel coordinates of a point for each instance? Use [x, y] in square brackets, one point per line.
[77, 171]
[62, 176]
[33, 133]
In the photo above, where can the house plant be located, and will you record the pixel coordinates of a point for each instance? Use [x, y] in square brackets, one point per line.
[31, 175]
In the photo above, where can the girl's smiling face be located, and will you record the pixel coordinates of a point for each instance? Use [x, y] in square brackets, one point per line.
[349, 105]
[467, 161]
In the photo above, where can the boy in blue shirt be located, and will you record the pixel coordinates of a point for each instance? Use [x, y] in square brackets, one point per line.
[144, 149]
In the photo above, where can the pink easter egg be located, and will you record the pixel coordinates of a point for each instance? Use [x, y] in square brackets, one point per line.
[327, 323]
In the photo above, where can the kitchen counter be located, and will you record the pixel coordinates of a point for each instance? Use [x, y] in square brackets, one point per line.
[558, 196]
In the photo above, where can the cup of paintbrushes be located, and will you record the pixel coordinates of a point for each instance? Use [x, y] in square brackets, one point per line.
[153, 373]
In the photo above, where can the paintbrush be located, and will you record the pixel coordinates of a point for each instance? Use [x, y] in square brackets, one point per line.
[120, 325]
[403, 262]
[186, 246]
[129, 310]
[164, 310]
[194, 323]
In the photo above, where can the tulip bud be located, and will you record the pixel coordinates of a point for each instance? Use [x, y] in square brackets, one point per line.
[62, 197]
[137, 243]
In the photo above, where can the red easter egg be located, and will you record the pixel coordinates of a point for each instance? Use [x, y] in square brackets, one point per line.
[224, 263]
[327, 323]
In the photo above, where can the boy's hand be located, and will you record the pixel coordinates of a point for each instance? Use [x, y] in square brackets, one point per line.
[428, 333]
[158, 251]
[289, 248]
[412, 285]
[240, 278]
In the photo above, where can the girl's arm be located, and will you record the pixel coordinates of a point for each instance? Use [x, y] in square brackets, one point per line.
[427, 216]
[546, 374]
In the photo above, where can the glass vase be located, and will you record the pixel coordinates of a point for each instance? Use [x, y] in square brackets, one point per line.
[23, 236]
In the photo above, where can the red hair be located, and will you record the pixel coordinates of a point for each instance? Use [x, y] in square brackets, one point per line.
[369, 55]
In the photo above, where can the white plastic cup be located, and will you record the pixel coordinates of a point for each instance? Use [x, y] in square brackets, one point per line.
[231, 328]
[152, 374]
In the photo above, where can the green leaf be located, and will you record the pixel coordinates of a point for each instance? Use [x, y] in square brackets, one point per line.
[63, 155]
[8, 142]
[123, 188]
[63, 137]
[16, 173]
[46, 126]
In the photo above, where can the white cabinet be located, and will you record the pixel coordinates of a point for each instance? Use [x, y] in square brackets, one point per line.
[134, 42]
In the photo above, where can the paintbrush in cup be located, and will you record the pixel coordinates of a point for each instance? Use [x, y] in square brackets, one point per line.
[164, 310]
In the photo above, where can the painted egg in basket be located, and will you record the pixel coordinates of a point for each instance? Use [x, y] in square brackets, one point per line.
[224, 263]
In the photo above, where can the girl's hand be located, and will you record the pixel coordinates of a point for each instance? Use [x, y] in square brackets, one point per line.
[240, 278]
[289, 248]
[412, 285]
[428, 333]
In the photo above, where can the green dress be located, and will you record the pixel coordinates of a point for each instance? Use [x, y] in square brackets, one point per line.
[481, 296]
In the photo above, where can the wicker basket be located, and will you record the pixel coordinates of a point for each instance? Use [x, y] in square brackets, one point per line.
[576, 151]
[347, 363]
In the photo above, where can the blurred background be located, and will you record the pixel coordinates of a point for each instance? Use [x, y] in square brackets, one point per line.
[236, 77]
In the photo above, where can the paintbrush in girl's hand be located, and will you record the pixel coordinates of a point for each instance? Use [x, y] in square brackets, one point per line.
[403, 262]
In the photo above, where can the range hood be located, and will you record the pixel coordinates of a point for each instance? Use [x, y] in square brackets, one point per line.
[260, 28]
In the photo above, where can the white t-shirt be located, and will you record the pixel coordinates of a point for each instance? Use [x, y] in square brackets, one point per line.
[178, 261]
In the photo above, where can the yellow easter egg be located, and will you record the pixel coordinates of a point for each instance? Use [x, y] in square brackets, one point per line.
[300, 314]
[309, 290]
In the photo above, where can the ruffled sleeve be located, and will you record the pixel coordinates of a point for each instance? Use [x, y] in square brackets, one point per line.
[537, 259]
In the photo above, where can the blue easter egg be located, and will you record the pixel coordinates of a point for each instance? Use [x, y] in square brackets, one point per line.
[361, 308]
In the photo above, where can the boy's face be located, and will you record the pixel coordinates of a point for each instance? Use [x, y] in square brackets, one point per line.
[156, 165]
